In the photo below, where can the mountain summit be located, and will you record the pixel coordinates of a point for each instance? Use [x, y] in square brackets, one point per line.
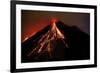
[56, 42]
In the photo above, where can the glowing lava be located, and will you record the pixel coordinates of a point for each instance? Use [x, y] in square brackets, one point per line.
[45, 44]
[55, 29]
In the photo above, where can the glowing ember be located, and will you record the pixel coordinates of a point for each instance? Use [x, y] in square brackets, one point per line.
[25, 39]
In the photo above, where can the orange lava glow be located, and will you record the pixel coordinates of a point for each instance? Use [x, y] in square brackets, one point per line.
[53, 20]
[54, 28]
[31, 29]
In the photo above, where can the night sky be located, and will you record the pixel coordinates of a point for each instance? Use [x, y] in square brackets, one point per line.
[33, 21]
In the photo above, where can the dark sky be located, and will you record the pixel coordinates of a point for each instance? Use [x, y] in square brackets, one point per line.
[33, 21]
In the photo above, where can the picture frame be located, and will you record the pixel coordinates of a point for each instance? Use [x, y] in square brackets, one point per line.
[18, 8]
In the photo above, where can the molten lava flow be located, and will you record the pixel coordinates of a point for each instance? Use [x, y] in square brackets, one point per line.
[25, 39]
[56, 30]
[45, 44]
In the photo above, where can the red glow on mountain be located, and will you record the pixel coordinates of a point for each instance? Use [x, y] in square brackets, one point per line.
[45, 44]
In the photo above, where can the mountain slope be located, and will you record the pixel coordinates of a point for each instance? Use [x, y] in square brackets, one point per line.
[56, 42]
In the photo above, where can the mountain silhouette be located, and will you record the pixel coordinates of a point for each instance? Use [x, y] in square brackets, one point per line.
[56, 42]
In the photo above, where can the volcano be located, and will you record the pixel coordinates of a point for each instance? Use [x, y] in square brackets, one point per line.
[56, 42]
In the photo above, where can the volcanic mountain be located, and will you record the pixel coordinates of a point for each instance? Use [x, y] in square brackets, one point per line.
[56, 42]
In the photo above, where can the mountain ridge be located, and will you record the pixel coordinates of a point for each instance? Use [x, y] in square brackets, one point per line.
[74, 38]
